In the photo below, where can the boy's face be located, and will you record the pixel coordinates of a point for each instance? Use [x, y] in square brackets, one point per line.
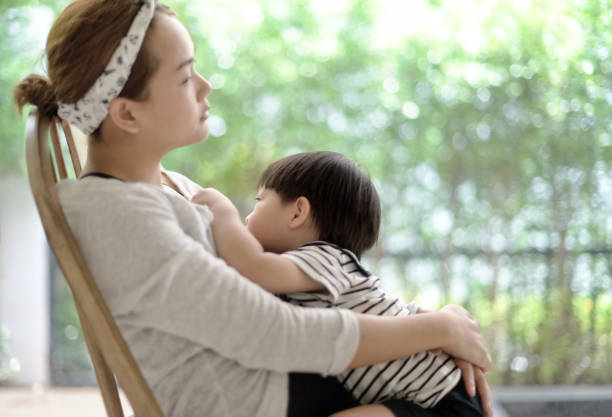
[269, 221]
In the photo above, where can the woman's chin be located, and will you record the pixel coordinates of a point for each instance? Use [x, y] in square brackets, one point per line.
[202, 136]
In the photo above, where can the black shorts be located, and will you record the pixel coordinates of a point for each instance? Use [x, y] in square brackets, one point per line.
[311, 395]
[457, 403]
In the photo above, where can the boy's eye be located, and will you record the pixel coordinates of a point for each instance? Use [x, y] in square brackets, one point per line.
[188, 79]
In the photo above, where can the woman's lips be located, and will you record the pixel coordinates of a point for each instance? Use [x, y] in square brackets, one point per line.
[204, 114]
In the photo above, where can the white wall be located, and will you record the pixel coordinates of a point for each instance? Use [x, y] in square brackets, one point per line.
[24, 282]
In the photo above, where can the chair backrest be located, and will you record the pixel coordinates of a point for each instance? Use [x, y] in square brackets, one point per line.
[110, 355]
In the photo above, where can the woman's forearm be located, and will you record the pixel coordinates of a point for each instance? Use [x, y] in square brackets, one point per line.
[388, 338]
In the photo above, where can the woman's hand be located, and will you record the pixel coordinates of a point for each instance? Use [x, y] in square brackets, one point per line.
[466, 340]
[473, 377]
[476, 382]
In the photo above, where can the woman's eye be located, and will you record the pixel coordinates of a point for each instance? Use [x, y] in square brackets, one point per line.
[188, 79]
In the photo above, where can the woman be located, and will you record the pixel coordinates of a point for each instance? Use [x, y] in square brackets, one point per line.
[207, 340]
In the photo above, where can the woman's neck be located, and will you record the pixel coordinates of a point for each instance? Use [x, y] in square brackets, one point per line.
[123, 163]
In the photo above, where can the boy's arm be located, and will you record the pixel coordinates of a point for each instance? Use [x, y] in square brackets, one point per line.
[239, 248]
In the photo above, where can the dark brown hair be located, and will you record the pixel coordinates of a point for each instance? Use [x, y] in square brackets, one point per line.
[79, 46]
[344, 201]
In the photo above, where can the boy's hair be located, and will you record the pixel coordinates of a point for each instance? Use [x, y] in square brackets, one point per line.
[344, 202]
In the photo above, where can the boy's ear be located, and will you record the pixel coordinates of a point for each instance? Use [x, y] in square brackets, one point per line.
[120, 112]
[301, 213]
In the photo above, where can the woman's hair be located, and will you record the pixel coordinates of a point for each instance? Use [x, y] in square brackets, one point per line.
[344, 202]
[79, 46]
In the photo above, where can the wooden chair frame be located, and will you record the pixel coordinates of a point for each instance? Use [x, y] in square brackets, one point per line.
[112, 360]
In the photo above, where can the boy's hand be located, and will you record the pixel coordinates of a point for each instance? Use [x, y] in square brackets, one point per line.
[218, 203]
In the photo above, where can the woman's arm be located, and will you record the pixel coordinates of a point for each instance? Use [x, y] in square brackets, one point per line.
[239, 248]
[166, 280]
[452, 329]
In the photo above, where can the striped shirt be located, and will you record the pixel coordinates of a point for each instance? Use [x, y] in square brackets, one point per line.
[423, 378]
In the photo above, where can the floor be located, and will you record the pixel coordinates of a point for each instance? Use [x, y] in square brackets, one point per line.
[56, 402]
[64, 402]
[520, 401]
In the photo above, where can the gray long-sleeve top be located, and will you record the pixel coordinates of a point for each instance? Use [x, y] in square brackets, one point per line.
[208, 341]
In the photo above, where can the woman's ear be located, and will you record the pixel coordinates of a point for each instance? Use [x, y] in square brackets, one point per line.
[301, 213]
[121, 113]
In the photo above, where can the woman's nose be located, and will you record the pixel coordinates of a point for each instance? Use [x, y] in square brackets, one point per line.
[205, 88]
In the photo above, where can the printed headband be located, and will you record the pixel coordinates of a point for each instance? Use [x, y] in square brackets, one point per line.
[89, 112]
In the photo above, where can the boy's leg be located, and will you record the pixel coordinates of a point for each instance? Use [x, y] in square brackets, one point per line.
[369, 410]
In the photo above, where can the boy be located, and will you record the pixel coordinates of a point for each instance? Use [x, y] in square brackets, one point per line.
[321, 212]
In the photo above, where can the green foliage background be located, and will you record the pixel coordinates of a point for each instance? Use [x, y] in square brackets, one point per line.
[485, 125]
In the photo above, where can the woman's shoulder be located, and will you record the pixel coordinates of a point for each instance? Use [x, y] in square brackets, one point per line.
[114, 200]
[100, 198]
[96, 189]
[187, 186]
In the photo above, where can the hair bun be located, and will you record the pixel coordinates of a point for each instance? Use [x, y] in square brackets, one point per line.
[37, 90]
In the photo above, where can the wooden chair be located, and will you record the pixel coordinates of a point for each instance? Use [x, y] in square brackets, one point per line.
[112, 360]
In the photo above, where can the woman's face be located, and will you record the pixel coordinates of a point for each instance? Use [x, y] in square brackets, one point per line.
[176, 109]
